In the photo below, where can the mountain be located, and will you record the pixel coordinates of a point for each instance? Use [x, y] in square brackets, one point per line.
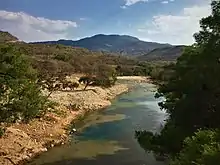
[56, 59]
[166, 54]
[122, 44]
[7, 37]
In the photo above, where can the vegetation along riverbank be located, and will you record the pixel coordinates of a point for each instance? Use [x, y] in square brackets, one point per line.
[43, 87]
[192, 100]
[22, 141]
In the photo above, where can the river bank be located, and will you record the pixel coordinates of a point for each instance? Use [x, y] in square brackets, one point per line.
[24, 141]
[108, 136]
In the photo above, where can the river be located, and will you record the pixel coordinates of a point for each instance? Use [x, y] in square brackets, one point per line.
[108, 136]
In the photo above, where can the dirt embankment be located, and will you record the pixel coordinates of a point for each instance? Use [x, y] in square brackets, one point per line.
[23, 141]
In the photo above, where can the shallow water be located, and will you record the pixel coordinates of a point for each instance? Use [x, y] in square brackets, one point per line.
[108, 136]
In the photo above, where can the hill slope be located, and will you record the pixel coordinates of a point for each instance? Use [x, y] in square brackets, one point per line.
[165, 54]
[54, 59]
[122, 44]
[109, 44]
[7, 37]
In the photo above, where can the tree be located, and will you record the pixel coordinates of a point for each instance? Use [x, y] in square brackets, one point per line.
[100, 75]
[103, 81]
[201, 149]
[20, 95]
[87, 80]
[192, 92]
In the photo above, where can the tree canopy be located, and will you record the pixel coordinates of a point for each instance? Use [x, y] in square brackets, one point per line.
[192, 98]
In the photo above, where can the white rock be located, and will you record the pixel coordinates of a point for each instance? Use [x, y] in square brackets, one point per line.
[44, 149]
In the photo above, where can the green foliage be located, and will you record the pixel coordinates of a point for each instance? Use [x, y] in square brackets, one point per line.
[87, 80]
[100, 75]
[201, 149]
[192, 93]
[141, 69]
[2, 131]
[51, 59]
[63, 57]
[103, 81]
[20, 95]
[105, 77]
[168, 141]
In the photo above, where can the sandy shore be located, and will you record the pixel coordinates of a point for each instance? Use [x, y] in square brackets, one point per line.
[136, 79]
[24, 141]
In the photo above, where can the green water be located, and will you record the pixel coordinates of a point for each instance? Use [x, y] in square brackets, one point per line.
[108, 136]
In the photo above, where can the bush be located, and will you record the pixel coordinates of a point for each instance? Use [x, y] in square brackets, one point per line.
[20, 95]
[2, 131]
[104, 81]
[202, 149]
[62, 57]
[99, 80]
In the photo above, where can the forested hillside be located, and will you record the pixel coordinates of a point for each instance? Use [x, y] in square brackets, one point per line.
[170, 53]
[192, 100]
[126, 45]
[55, 58]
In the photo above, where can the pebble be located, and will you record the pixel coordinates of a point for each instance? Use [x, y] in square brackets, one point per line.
[44, 149]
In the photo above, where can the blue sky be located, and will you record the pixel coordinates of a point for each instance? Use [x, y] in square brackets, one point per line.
[167, 21]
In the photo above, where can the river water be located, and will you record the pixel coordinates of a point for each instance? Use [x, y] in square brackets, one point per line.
[108, 136]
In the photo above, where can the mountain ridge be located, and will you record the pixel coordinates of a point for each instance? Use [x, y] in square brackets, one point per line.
[167, 54]
[118, 45]
[123, 44]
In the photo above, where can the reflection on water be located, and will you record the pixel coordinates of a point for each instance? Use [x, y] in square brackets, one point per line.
[95, 119]
[82, 149]
[108, 136]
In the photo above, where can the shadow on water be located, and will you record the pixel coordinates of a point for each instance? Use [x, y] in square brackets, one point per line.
[108, 136]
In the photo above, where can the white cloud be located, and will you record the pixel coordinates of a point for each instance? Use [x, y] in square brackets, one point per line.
[176, 29]
[83, 19]
[132, 2]
[123, 7]
[165, 2]
[30, 28]
[142, 30]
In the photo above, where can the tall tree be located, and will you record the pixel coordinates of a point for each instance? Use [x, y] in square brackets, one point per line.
[193, 92]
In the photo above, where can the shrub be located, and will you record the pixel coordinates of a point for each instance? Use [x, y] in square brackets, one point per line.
[20, 95]
[62, 57]
[2, 131]
[202, 149]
